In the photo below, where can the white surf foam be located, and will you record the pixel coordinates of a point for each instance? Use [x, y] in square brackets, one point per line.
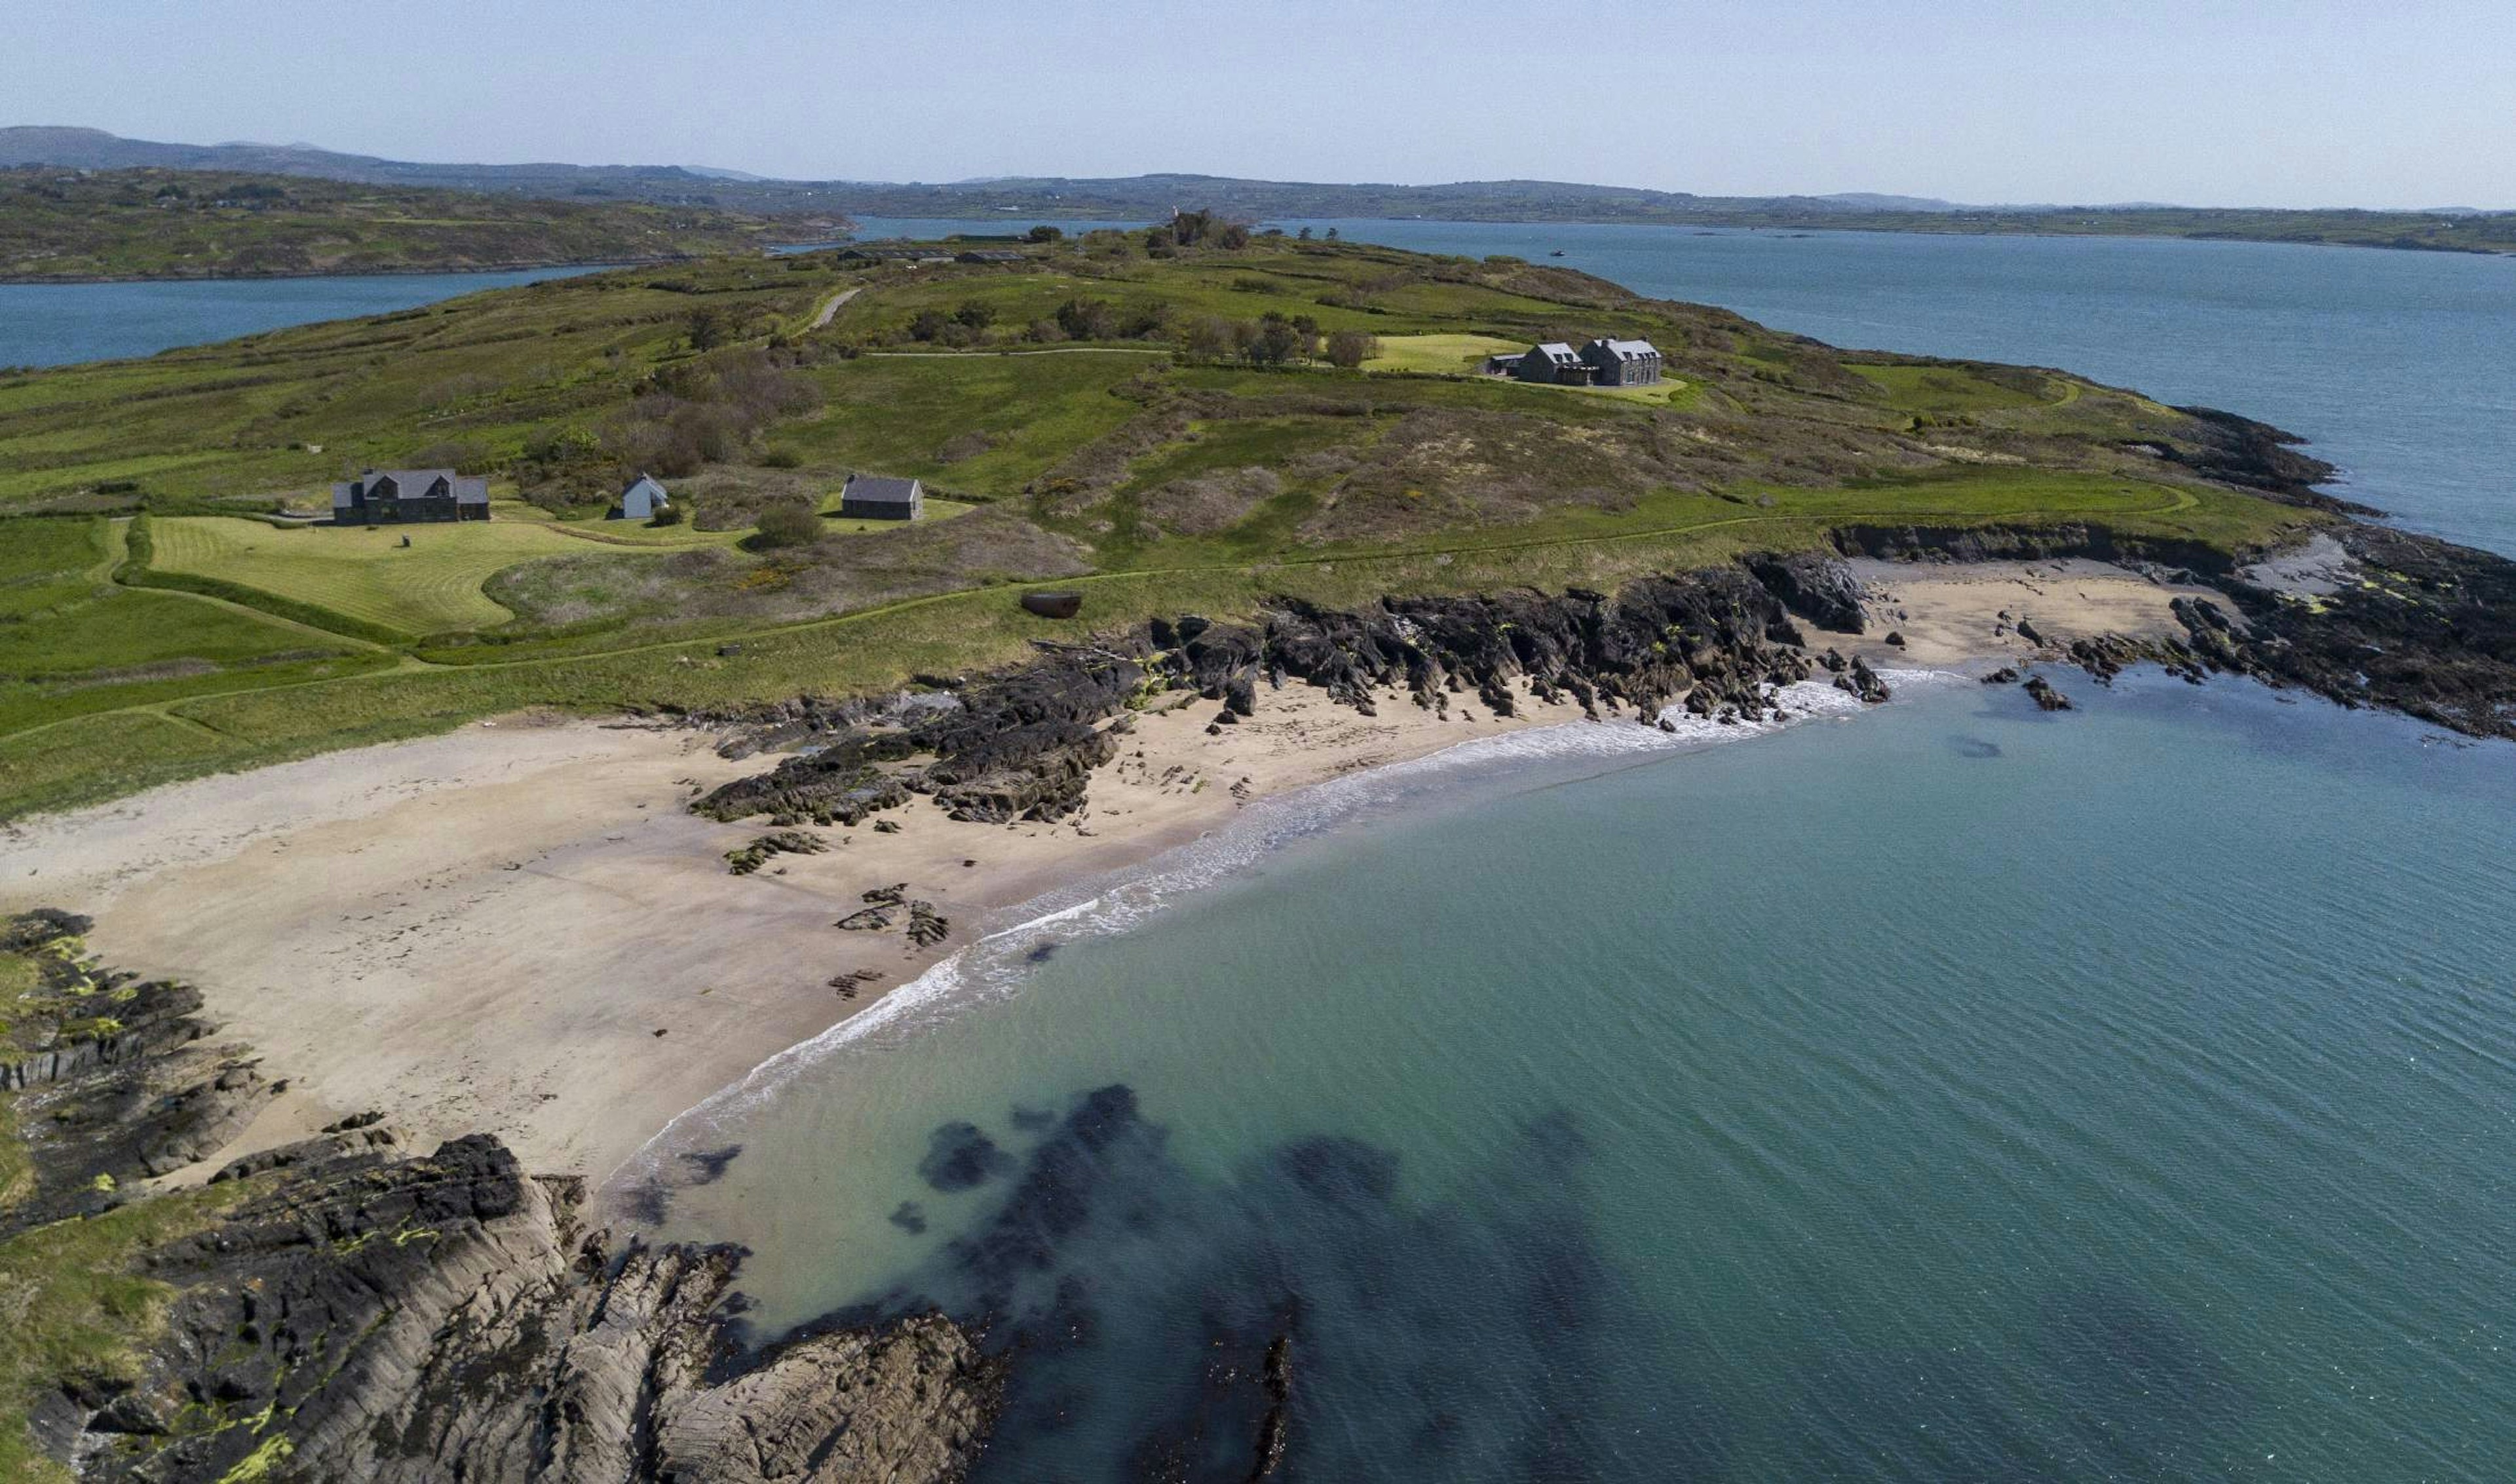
[996, 963]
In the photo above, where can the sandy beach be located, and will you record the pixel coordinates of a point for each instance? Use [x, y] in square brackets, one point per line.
[518, 928]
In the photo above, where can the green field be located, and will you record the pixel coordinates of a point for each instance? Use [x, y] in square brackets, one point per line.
[366, 573]
[1154, 479]
[1440, 352]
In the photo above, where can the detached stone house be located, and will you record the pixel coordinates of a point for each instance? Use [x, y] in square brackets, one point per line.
[402, 497]
[1599, 363]
[868, 497]
[640, 500]
[1623, 363]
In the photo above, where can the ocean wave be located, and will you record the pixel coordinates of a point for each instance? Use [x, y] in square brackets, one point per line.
[998, 961]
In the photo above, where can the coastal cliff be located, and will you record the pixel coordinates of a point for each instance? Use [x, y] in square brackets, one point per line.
[340, 1308]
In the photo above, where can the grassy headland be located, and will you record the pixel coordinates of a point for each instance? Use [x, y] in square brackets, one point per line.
[56, 226]
[1158, 424]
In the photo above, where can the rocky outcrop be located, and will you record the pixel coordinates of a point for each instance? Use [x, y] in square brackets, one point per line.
[116, 1079]
[1812, 585]
[358, 1313]
[1862, 681]
[2256, 456]
[1023, 744]
[406, 1320]
[2421, 626]
[2045, 696]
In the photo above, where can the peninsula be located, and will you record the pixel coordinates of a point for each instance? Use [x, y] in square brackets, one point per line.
[62, 227]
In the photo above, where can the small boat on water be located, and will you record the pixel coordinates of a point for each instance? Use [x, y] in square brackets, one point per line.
[1557, 253]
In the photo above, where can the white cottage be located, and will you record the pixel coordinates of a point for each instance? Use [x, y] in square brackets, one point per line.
[640, 500]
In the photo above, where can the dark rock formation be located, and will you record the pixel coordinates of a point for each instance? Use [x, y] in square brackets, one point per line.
[356, 1313]
[1061, 604]
[116, 1079]
[1863, 682]
[1023, 745]
[2427, 628]
[1812, 585]
[744, 861]
[2046, 697]
[2256, 456]
[363, 1317]
[2005, 675]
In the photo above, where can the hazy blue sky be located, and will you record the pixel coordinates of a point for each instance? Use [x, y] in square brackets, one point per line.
[2276, 101]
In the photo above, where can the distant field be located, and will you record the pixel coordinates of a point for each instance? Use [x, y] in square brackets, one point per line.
[432, 585]
[1951, 389]
[1439, 353]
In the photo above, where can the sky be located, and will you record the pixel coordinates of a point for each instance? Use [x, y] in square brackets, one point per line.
[2277, 102]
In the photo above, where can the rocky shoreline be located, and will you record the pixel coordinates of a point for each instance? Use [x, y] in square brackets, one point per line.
[345, 1307]
[342, 1308]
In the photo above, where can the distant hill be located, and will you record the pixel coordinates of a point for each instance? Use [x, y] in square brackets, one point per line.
[1150, 196]
[187, 223]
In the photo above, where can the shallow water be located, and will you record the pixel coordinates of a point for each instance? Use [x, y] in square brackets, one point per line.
[1950, 1092]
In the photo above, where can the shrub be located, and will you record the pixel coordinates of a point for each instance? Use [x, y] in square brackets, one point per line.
[1087, 319]
[1044, 232]
[1351, 348]
[667, 514]
[782, 457]
[789, 523]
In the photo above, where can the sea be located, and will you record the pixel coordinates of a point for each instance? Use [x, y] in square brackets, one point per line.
[62, 323]
[1943, 1091]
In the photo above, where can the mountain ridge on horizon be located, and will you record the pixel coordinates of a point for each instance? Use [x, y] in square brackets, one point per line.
[1157, 195]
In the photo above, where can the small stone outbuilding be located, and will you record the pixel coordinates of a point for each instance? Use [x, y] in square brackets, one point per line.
[874, 497]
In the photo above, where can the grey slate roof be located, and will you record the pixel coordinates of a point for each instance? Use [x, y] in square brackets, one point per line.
[1627, 350]
[1556, 351]
[879, 490]
[410, 482]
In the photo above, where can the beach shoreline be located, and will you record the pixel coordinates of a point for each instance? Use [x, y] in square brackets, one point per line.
[519, 928]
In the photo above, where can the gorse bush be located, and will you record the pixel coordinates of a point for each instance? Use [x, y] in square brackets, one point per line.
[788, 523]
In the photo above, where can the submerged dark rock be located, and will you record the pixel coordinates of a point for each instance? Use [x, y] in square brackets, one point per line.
[959, 1157]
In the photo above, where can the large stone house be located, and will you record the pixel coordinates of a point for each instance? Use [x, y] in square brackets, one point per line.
[870, 496]
[400, 497]
[1599, 363]
[1621, 363]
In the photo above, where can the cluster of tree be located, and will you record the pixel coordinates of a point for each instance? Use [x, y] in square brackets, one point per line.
[1195, 229]
[975, 323]
[1272, 339]
[683, 417]
[710, 326]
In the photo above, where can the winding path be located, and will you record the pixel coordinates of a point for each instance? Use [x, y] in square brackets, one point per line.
[821, 319]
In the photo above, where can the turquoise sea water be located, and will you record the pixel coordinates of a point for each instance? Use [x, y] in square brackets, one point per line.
[1948, 1092]
[60, 323]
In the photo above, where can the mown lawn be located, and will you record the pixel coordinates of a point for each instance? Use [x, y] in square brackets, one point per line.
[431, 585]
[1439, 353]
